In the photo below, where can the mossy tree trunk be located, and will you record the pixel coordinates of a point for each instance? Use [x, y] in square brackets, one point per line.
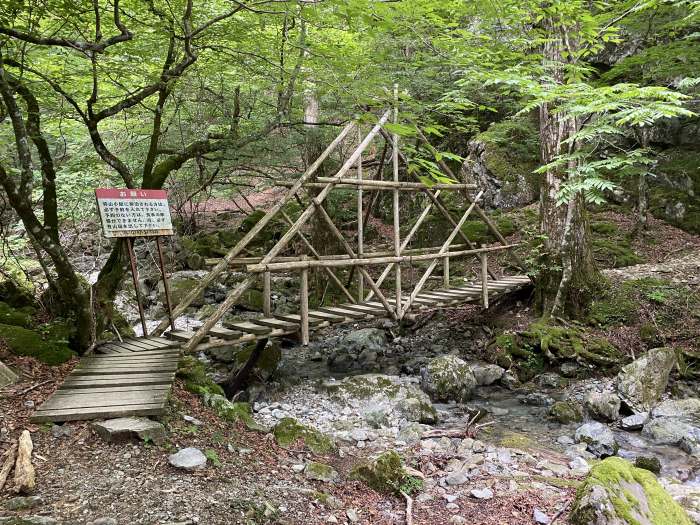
[569, 276]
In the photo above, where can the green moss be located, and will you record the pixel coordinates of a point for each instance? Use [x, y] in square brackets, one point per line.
[232, 412]
[604, 227]
[16, 316]
[612, 474]
[566, 412]
[516, 440]
[22, 341]
[320, 471]
[15, 294]
[385, 474]
[615, 306]
[193, 372]
[528, 352]
[615, 253]
[289, 431]
[650, 463]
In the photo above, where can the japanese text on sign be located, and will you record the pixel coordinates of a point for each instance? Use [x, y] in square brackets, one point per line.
[134, 213]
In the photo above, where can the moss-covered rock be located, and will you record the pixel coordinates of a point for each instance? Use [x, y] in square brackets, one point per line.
[232, 412]
[194, 374]
[15, 294]
[650, 463]
[674, 192]
[448, 378]
[566, 412]
[289, 431]
[21, 316]
[529, 352]
[386, 474]
[34, 343]
[267, 363]
[320, 472]
[615, 492]
[641, 383]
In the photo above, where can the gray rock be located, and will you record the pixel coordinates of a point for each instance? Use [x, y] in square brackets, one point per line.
[448, 378]
[352, 515]
[28, 520]
[188, 459]
[635, 421]
[667, 430]
[485, 493]
[358, 350]
[604, 406]
[59, 431]
[104, 521]
[565, 440]
[127, 428]
[510, 380]
[540, 517]
[549, 380]
[641, 383]
[537, 399]
[457, 478]
[486, 373]
[685, 409]
[598, 438]
[410, 433]
[24, 503]
[193, 420]
[691, 442]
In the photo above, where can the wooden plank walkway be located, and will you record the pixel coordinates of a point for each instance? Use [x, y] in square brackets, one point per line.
[131, 378]
[134, 377]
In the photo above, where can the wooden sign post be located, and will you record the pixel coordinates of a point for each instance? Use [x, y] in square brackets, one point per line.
[127, 214]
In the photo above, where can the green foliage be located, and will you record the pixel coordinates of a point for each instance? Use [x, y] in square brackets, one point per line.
[16, 316]
[22, 341]
[194, 374]
[213, 457]
[289, 431]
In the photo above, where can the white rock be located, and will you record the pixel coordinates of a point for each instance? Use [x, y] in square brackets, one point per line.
[485, 493]
[540, 517]
[188, 459]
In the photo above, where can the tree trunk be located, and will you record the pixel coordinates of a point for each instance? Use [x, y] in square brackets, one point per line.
[569, 275]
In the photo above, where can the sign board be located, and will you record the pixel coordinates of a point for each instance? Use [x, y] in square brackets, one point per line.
[134, 213]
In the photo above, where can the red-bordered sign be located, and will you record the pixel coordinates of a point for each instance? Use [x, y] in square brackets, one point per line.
[134, 213]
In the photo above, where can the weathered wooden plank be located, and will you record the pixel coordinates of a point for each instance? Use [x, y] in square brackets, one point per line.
[141, 344]
[182, 335]
[151, 409]
[277, 323]
[364, 308]
[167, 343]
[111, 370]
[112, 390]
[225, 333]
[125, 380]
[296, 318]
[103, 400]
[337, 310]
[250, 328]
[123, 361]
[326, 317]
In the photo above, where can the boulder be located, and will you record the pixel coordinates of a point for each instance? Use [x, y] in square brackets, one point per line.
[127, 428]
[486, 373]
[181, 284]
[685, 409]
[448, 378]
[188, 459]
[320, 472]
[668, 430]
[566, 412]
[641, 383]
[289, 431]
[358, 350]
[395, 397]
[691, 442]
[604, 406]
[385, 473]
[635, 421]
[598, 438]
[617, 493]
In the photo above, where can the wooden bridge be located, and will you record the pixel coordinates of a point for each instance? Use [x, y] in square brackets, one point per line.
[133, 377]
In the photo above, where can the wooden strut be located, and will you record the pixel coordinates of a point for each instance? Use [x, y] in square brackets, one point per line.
[484, 280]
[445, 247]
[236, 293]
[135, 279]
[360, 224]
[254, 231]
[397, 224]
[368, 261]
[166, 285]
[381, 185]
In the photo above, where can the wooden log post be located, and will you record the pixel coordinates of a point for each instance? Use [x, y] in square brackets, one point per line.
[360, 224]
[446, 272]
[25, 475]
[267, 293]
[304, 305]
[484, 279]
[397, 224]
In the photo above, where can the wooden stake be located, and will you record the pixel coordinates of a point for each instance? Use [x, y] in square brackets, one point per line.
[25, 475]
[7, 464]
[135, 278]
[7, 376]
[484, 279]
[397, 224]
[360, 224]
[166, 286]
[304, 305]
[446, 272]
[267, 306]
